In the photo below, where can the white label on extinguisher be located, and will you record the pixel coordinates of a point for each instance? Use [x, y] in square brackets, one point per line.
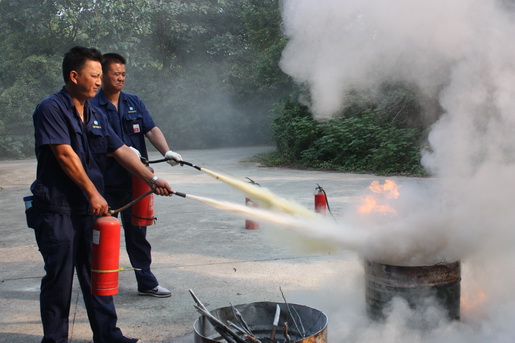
[96, 237]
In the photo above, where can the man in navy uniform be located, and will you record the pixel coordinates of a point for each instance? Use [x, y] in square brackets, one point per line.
[72, 141]
[131, 120]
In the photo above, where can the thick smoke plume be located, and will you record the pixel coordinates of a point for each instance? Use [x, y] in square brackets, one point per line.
[461, 53]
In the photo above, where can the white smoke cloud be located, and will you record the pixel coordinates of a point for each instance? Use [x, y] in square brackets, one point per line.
[461, 53]
[359, 44]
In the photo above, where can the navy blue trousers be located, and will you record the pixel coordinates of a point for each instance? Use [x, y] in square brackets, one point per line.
[65, 243]
[136, 243]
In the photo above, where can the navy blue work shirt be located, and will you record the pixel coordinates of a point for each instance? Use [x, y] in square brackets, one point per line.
[56, 121]
[131, 122]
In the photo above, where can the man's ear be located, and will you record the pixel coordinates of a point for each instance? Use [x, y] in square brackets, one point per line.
[74, 76]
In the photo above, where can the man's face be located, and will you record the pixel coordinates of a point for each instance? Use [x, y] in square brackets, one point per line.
[88, 80]
[114, 79]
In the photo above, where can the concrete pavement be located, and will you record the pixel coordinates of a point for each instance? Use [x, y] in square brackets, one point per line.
[194, 247]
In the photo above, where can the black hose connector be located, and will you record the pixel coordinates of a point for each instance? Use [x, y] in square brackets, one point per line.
[144, 161]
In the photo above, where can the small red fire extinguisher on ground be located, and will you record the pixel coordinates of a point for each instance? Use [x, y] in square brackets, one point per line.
[250, 224]
[320, 200]
[143, 210]
[105, 263]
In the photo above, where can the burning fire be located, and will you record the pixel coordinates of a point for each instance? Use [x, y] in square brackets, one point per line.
[472, 302]
[371, 203]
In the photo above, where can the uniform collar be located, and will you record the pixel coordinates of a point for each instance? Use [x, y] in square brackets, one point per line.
[102, 99]
[67, 97]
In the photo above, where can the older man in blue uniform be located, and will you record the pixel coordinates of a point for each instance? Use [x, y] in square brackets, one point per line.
[72, 141]
[131, 120]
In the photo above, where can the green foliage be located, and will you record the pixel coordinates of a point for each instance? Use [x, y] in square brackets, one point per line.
[35, 75]
[206, 69]
[256, 67]
[364, 142]
[294, 130]
[209, 73]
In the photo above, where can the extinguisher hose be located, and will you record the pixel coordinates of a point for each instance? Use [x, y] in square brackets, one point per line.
[147, 162]
[131, 203]
[327, 202]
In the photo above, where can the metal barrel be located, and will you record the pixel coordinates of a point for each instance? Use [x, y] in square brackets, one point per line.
[305, 324]
[415, 284]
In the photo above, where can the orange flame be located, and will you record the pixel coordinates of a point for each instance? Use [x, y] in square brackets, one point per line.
[390, 189]
[472, 302]
[370, 203]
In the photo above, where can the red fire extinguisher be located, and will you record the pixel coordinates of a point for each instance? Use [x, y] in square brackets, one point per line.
[105, 256]
[320, 200]
[250, 224]
[143, 210]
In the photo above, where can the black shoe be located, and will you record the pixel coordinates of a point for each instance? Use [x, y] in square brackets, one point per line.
[124, 339]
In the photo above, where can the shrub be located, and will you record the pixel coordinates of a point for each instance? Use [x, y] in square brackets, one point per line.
[293, 130]
[363, 142]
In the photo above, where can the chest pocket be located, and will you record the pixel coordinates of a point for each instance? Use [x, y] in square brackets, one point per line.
[134, 126]
[97, 140]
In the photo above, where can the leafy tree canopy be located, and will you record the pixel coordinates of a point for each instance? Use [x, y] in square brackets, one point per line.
[207, 70]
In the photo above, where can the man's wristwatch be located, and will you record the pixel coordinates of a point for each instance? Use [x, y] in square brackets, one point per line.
[153, 181]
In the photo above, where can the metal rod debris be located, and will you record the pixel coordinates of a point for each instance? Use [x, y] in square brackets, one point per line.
[244, 332]
[292, 317]
[227, 333]
[241, 321]
[237, 327]
[286, 334]
[252, 338]
[275, 323]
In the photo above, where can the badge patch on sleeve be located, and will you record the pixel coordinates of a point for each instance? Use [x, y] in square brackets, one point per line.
[135, 128]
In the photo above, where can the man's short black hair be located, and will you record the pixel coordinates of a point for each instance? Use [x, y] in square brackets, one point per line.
[110, 58]
[76, 57]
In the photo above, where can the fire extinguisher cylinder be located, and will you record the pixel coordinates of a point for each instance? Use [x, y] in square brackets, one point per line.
[105, 263]
[142, 210]
[320, 200]
[251, 224]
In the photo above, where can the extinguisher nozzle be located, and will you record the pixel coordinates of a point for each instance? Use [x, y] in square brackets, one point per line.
[189, 164]
[179, 194]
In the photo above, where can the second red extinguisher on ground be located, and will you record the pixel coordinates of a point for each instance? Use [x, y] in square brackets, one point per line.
[251, 224]
[320, 200]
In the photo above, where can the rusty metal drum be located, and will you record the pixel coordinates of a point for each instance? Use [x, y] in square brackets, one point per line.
[305, 324]
[441, 281]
